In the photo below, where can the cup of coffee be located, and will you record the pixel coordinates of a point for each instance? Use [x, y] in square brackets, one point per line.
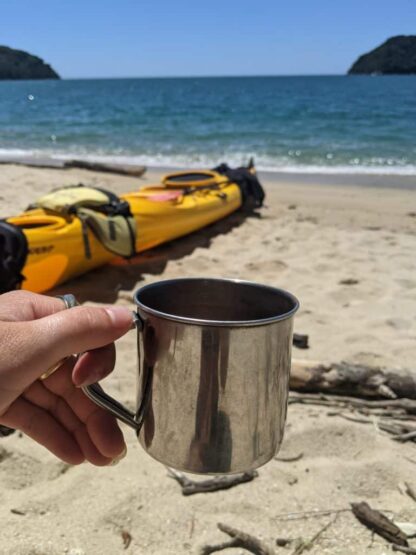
[213, 373]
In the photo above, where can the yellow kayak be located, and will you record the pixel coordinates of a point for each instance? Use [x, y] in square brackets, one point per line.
[162, 213]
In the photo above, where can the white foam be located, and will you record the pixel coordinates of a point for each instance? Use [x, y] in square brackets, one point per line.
[190, 160]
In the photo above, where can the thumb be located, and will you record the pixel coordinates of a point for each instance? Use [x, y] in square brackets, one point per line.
[68, 332]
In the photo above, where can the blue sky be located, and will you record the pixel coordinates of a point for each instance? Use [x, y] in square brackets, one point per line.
[127, 38]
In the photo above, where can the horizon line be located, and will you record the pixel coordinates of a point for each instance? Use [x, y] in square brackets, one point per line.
[232, 76]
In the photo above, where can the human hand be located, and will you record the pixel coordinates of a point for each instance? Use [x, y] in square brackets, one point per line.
[35, 333]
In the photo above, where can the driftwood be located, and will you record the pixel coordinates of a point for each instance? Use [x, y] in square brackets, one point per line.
[378, 523]
[385, 407]
[190, 487]
[403, 549]
[394, 416]
[238, 539]
[50, 163]
[351, 379]
[121, 169]
[406, 436]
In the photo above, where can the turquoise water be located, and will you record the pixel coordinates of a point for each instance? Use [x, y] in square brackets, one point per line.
[326, 124]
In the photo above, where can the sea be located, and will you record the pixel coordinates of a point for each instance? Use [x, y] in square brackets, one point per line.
[316, 124]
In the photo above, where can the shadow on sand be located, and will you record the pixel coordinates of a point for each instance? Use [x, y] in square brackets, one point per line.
[103, 284]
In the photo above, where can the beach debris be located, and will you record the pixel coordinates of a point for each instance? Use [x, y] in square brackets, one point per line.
[190, 487]
[407, 436]
[304, 515]
[308, 544]
[51, 163]
[378, 523]
[349, 281]
[238, 539]
[403, 549]
[126, 537]
[395, 408]
[356, 380]
[18, 512]
[121, 169]
[409, 528]
[292, 207]
[192, 527]
[394, 416]
[283, 542]
[301, 341]
[293, 458]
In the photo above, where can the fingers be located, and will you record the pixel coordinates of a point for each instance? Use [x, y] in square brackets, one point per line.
[57, 407]
[20, 306]
[94, 366]
[105, 433]
[43, 342]
[43, 428]
[102, 427]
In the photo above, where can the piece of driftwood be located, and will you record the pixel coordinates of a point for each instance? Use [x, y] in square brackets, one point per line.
[407, 436]
[386, 407]
[41, 163]
[351, 379]
[190, 487]
[378, 523]
[238, 539]
[403, 549]
[304, 515]
[51, 163]
[301, 341]
[397, 418]
[121, 169]
[350, 418]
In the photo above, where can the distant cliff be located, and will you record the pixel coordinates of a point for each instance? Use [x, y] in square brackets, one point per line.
[16, 64]
[395, 56]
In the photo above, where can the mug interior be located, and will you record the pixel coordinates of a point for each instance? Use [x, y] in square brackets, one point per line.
[219, 301]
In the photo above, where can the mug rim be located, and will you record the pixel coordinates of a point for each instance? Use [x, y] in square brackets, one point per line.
[218, 323]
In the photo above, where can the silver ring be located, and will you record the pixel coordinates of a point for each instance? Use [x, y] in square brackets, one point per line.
[69, 300]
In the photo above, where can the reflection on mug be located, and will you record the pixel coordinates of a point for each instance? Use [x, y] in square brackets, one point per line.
[212, 442]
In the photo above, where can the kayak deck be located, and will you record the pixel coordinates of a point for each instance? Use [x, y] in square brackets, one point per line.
[57, 245]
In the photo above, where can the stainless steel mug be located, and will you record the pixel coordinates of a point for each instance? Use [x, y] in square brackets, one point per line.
[213, 373]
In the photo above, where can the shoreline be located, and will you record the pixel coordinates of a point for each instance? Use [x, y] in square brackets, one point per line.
[348, 179]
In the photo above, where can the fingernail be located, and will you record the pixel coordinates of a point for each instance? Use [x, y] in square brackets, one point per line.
[120, 457]
[120, 315]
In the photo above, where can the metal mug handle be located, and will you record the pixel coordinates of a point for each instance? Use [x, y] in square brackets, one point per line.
[97, 394]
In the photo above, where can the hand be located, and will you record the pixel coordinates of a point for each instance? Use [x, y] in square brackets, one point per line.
[35, 333]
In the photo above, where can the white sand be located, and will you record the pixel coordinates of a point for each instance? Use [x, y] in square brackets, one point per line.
[309, 239]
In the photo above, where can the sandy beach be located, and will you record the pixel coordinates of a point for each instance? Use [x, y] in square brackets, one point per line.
[345, 246]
